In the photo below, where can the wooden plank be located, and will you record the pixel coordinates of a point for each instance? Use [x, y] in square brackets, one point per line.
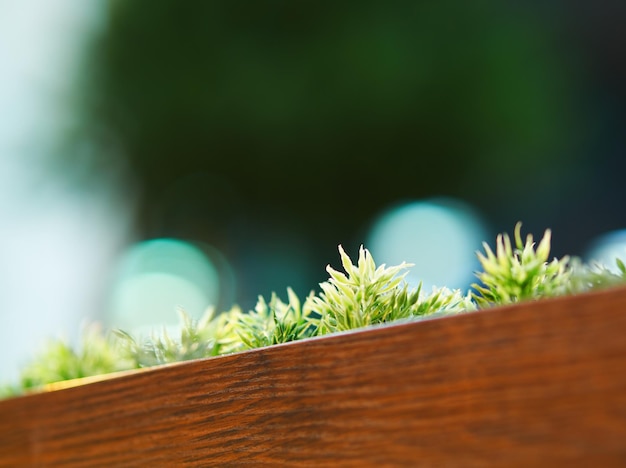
[540, 383]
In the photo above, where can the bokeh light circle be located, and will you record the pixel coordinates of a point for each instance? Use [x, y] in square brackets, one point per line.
[157, 277]
[606, 248]
[440, 237]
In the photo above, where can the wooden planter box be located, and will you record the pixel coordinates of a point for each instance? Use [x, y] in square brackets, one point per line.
[540, 383]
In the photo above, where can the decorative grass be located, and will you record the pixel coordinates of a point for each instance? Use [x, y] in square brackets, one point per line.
[362, 295]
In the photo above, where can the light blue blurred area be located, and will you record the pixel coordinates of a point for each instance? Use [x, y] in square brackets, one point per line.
[159, 276]
[439, 236]
[56, 245]
[606, 248]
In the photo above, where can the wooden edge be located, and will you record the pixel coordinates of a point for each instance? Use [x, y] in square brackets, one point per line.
[536, 383]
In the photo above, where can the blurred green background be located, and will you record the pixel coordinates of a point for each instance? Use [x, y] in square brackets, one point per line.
[232, 145]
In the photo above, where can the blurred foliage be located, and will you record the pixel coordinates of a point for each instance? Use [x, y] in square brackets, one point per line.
[239, 120]
[97, 354]
[224, 109]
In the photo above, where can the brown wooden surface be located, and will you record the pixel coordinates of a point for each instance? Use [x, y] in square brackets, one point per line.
[536, 384]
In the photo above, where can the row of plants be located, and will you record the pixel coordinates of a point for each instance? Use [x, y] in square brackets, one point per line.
[362, 295]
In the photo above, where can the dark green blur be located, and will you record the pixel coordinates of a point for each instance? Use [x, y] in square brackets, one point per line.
[273, 129]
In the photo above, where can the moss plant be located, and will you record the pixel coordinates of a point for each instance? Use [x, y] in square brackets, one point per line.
[58, 361]
[275, 322]
[517, 271]
[362, 295]
[367, 295]
[209, 336]
[595, 276]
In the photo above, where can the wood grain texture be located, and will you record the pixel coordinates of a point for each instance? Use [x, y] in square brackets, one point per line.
[537, 384]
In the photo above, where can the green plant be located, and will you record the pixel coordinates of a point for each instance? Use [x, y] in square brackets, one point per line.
[275, 322]
[595, 276]
[517, 272]
[209, 336]
[367, 295]
[58, 361]
[362, 296]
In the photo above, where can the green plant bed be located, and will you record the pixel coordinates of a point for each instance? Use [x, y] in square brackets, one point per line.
[362, 295]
